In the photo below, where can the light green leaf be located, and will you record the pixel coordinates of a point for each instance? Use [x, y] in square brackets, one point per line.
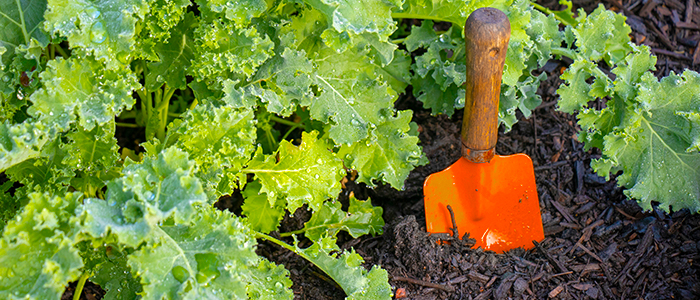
[37, 254]
[20, 142]
[308, 173]
[219, 140]
[174, 56]
[241, 12]
[576, 92]
[104, 28]
[439, 72]
[112, 272]
[213, 257]
[651, 144]
[121, 215]
[81, 87]
[93, 150]
[148, 193]
[47, 172]
[360, 219]
[223, 50]
[346, 269]
[287, 82]
[160, 20]
[261, 215]
[348, 26]
[603, 35]
[350, 96]
[388, 154]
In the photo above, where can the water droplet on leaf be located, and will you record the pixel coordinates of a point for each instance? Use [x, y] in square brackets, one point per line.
[98, 33]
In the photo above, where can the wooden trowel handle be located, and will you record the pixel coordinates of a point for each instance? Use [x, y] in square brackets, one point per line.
[486, 32]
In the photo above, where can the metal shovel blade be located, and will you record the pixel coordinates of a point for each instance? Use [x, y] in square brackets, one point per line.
[495, 202]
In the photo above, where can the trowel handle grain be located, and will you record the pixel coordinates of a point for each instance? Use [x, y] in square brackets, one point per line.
[487, 33]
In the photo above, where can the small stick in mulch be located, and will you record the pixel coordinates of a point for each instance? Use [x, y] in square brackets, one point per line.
[445, 288]
[455, 230]
[465, 241]
[555, 262]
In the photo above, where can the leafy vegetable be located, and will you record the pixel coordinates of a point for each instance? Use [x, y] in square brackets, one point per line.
[648, 127]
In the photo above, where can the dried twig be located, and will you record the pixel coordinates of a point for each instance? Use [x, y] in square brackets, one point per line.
[424, 283]
[455, 230]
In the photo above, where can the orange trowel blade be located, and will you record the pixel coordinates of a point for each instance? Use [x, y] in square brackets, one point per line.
[495, 202]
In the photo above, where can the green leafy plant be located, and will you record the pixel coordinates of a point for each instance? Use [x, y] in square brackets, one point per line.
[647, 128]
[278, 100]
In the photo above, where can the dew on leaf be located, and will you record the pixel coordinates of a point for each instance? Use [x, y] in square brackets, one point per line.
[111, 202]
[123, 57]
[92, 12]
[118, 219]
[98, 33]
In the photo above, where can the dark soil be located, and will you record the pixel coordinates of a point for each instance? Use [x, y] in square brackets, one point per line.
[598, 244]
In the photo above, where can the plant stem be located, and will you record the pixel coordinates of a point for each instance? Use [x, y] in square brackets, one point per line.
[120, 124]
[22, 24]
[286, 234]
[285, 122]
[260, 235]
[419, 16]
[271, 138]
[288, 132]
[60, 51]
[597, 72]
[81, 284]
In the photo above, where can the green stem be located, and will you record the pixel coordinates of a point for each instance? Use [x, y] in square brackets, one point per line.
[286, 234]
[285, 122]
[23, 25]
[548, 11]
[419, 16]
[260, 235]
[543, 9]
[173, 115]
[120, 124]
[61, 51]
[81, 284]
[144, 105]
[597, 72]
[288, 132]
[271, 138]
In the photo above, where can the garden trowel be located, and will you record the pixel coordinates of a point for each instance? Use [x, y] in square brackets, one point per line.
[491, 197]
